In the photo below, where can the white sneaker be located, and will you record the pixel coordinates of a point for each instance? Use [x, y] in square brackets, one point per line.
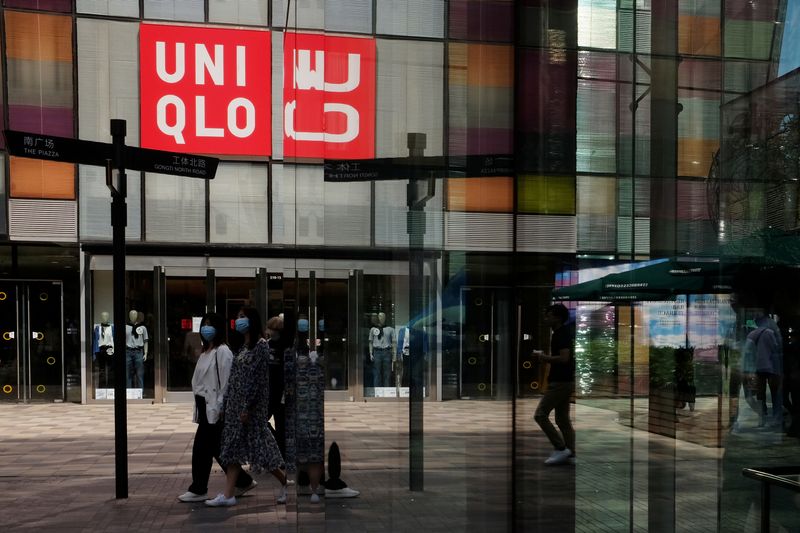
[190, 496]
[346, 492]
[315, 498]
[221, 501]
[241, 490]
[282, 497]
[559, 457]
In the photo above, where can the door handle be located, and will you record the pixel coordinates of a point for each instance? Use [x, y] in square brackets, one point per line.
[526, 336]
[37, 335]
[483, 338]
[8, 335]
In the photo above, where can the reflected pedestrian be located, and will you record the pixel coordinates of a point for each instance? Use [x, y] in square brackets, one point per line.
[209, 383]
[246, 437]
[560, 386]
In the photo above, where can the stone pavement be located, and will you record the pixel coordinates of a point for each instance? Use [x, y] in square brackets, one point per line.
[57, 473]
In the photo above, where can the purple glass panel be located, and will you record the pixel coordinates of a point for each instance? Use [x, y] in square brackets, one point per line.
[472, 141]
[62, 6]
[482, 20]
[699, 74]
[763, 10]
[52, 120]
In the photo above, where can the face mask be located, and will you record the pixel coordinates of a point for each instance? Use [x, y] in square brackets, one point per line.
[242, 324]
[208, 333]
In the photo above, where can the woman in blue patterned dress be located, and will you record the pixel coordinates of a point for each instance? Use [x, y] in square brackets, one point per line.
[246, 437]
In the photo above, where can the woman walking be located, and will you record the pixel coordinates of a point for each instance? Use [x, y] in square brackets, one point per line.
[246, 437]
[208, 386]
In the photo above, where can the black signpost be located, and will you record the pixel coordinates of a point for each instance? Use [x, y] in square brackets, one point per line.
[114, 156]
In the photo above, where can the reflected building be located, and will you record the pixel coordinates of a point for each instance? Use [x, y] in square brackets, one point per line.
[548, 145]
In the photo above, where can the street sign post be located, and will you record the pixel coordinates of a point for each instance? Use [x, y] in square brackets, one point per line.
[114, 156]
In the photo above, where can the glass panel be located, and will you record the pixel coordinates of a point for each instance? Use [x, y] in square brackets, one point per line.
[39, 70]
[410, 96]
[46, 341]
[64, 6]
[253, 12]
[239, 203]
[3, 197]
[120, 8]
[333, 15]
[332, 331]
[423, 18]
[108, 77]
[191, 10]
[95, 204]
[481, 20]
[35, 178]
[596, 136]
[546, 195]
[480, 194]
[187, 307]
[9, 342]
[175, 208]
[481, 115]
[597, 23]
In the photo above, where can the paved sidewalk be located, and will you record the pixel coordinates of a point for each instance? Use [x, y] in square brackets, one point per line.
[57, 472]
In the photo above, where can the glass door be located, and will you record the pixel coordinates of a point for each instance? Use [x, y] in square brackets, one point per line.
[484, 322]
[31, 337]
[186, 297]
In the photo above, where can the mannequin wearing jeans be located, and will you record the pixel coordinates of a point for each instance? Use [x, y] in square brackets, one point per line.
[381, 341]
[135, 349]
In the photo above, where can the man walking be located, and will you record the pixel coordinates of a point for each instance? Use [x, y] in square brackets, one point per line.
[560, 385]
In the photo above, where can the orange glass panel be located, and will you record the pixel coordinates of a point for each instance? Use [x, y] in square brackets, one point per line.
[38, 37]
[699, 35]
[491, 65]
[32, 178]
[695, 156]
[493, 195]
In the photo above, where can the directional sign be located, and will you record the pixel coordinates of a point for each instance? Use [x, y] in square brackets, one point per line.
[66, 150]
[417, 168]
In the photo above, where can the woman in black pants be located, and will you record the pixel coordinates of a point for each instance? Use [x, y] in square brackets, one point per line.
[209, 382]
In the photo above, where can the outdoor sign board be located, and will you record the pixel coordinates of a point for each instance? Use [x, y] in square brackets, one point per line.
[66, 150]
[329, 96]
[205, 90]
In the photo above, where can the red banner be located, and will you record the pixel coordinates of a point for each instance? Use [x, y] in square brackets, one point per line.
[329, 97]
[205, 90]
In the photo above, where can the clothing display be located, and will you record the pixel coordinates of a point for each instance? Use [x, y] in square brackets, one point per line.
[135, 340]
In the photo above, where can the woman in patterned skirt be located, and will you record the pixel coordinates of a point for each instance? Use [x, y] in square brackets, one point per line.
[246, 437]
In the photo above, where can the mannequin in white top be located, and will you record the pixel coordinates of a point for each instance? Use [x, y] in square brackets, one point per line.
[381, 343]
[135, 349]
[103, 349]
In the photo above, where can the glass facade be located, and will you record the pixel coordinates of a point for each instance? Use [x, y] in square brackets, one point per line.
[418, 181]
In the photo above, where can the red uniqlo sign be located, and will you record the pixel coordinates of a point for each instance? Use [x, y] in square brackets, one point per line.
[328, 97]
[205, 90]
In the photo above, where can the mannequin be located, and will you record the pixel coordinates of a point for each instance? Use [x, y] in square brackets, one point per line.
[135, 349]
[381, 342]
[401, 353]
[103, 348]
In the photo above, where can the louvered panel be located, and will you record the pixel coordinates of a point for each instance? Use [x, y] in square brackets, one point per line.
[43, 220]
[346, 225]
[543, 233]
[692, 200]
[478, 231]
[597, 233]
[697, 237]
[642, 231]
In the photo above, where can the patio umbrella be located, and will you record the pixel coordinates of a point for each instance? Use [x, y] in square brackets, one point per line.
[659, 281]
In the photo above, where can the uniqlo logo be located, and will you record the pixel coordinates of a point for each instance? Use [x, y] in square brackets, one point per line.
[205, 90]
[329, 97]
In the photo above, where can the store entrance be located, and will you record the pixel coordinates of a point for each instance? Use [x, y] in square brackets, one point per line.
[31, 341]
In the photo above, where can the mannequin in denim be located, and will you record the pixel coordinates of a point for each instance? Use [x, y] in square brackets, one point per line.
[381, 342]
